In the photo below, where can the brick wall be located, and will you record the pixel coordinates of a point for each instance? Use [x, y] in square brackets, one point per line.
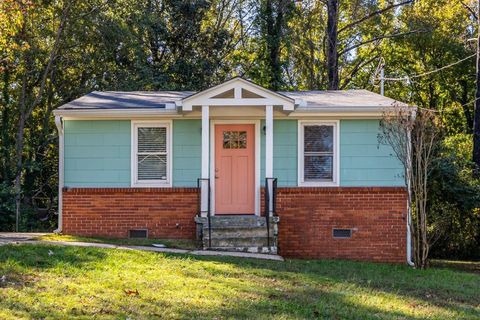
[377, 215]
[307, 217]
[111, 212]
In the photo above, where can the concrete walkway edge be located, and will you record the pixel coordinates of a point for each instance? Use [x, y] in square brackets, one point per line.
[163, 250]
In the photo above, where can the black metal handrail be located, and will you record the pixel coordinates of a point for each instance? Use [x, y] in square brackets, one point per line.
[199, 186]
[273, 201]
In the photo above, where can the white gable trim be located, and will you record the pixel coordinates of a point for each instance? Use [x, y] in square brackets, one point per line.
[237, 84]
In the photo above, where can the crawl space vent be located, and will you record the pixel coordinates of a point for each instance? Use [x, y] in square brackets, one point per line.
[342, 233]
[137, 233]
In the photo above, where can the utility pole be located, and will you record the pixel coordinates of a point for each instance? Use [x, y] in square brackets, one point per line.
[476, 117]
[382, 81]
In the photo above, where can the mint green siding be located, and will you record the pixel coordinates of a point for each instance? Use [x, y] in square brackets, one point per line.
[187, 152]
[285, 159]
[97, 153]
[363, 162]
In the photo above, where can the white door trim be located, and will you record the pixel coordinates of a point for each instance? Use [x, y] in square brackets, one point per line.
[336, 154]
[257, 160]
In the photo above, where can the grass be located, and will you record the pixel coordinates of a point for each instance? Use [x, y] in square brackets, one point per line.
[60, 282]
[169, 243]
[469, 266]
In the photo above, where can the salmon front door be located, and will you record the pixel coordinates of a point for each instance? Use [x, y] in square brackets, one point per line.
[235, 169]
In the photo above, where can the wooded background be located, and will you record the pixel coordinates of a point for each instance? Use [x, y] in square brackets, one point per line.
[53, 51]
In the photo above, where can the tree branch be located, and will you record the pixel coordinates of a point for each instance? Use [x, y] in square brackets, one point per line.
[469, 9]
[52, 57]
[357, 68]
[388, 36]
[373, 14]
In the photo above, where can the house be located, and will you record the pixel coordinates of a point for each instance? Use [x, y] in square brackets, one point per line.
[212, 165]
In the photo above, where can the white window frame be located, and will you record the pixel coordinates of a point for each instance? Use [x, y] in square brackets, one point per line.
[336, 153]
[134, 162]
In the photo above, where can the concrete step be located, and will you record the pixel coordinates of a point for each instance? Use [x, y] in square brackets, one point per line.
[265, 250]
[238, 242]
[238, 232]
[236, 221]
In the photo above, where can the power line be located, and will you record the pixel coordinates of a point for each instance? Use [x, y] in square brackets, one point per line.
[456, 107]
[407, 78]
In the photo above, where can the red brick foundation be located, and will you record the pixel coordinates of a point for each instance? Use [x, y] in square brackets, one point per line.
[111, 212]
[377, 215]
[307, 217]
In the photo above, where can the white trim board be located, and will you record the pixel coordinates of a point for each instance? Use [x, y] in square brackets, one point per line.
[257, 160]
[133, 160]
[336, 154]
[266, 97]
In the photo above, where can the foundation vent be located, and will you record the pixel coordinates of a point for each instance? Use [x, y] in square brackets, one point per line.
[138, 233]
[342, 233]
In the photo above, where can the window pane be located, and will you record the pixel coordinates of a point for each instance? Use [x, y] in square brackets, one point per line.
[152, 139]
[318, 138]
[318, 167]
[234, 139]
[226, 140]
[242, 140]
[152, 167]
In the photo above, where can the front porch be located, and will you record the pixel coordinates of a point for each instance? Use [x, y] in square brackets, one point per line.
[230, 184]
[232, 171]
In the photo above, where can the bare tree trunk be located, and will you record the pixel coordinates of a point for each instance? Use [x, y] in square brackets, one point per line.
[414, 140]
[476, 116]
[332, 45]
[19, 169]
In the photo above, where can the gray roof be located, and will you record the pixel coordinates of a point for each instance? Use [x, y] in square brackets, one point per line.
[126, 100]
[312, 100]
[341, 99]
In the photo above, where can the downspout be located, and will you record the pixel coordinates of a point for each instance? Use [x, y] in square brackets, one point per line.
[59, 124]
[409, 198]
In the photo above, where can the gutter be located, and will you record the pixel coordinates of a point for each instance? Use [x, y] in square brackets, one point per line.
[409, 199]
[59, 124]
[109, 113]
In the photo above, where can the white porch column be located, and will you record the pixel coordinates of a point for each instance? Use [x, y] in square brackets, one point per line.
[269, 151]
[269, 142]
[205, 160]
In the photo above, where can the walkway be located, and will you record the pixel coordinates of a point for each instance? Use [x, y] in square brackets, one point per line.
[8, 237]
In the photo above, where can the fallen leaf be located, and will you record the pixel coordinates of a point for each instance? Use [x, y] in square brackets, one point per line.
[131, 292]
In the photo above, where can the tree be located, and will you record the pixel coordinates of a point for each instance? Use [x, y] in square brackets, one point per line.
[414, 135]
[271, 41]
[32, 80]
[476, 116]
[349, 30]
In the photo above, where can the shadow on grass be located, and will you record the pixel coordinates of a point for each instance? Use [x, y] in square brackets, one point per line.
[452, 290]
[263, 289]
[40, 257]
[299, 304]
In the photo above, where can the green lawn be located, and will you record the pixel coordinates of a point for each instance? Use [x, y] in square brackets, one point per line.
[86, 283]
[169, 243]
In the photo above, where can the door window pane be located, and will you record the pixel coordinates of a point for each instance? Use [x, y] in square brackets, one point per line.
[234, 139]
